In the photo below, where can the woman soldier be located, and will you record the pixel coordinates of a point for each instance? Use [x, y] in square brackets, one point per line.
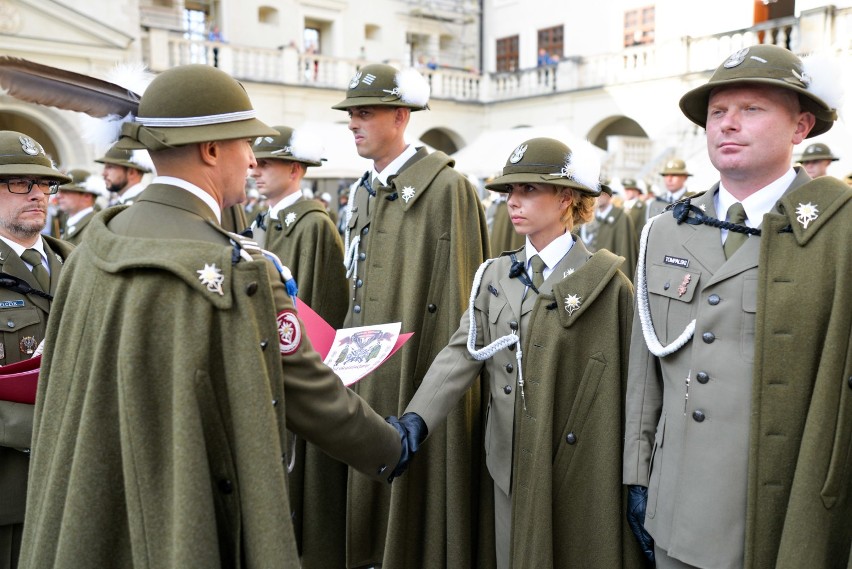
[549, 325]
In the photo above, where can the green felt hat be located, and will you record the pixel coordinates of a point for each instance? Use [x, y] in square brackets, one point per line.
[289, 145]
[190, 104]
[548, 161]
[20, 155]
[764, 65]
[381, 85]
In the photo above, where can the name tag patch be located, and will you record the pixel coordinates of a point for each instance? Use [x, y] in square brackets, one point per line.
[676, 261]
[11, 303]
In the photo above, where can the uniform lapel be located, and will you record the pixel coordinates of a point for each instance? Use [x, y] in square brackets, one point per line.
[514, 288]
[55, 263]
[706, 246]
[11, 264]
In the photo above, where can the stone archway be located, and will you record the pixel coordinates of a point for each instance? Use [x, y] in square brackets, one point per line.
[53, 129]
[615, 126]
[443, 139]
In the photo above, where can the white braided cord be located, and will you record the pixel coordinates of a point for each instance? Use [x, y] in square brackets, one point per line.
[651, 338]
[351, 251]
[498, 344]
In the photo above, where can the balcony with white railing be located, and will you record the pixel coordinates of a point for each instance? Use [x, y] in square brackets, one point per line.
[164, 48]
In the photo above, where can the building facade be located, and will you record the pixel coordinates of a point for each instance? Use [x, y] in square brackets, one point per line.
[611, 72]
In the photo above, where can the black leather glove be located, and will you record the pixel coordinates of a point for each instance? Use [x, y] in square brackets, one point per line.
[412, 432]
[637, 498]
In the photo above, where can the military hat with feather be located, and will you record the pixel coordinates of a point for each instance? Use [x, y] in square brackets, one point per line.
[814, 79]
[183, 105]
[84, 182]
[290, 145]
[550, 161]
[382, 85]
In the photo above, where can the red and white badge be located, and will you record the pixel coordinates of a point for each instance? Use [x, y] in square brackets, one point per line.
[289, 332]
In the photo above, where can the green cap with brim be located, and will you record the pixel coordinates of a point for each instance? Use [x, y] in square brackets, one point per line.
[381, 85]
[20, 155]
[189, 104]
[762, 65]
[78, 183]
[675, 167]
[631, 184]
[817, 151]
[121, 157]
[283, 146]
[542, 161]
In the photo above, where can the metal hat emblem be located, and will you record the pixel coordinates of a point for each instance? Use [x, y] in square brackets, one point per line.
[354, 82]
[736, 58]
[28, 145]
[518, 154]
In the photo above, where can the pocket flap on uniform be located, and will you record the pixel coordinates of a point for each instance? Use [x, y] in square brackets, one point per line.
[14, 319]
[672, 282]
[750, 294]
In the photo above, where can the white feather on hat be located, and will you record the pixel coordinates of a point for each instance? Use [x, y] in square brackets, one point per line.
[305, 145]
[104, 132]
[583, 163]
[413, 87]
[826, 78]
[141, 157]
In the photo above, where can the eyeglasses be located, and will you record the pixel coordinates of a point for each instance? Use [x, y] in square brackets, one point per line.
[22, 186]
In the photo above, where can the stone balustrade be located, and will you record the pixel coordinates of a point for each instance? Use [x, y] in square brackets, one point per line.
[824, 28]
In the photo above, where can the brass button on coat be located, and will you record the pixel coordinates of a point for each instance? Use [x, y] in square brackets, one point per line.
[356, 309]
[698, 416]
[432, 308]
[513, 325]
[708, 337]
[362, 256]
[714, 299]
[510, 368]
[571, 438]
[507, 389]
[251, 288]
[702, 377]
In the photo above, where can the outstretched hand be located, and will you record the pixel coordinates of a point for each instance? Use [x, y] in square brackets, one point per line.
[412, 432]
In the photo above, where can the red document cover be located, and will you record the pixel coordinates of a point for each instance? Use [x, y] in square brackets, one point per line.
[18, 381]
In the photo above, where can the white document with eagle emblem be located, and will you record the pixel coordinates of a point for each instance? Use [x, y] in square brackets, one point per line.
[358, 351]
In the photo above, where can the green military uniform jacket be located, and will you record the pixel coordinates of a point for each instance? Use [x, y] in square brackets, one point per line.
[24, 318]
[637, 210]
[163, 399]
[758, 459]
[503, 234]
[74, 233]
[558, 447]
[307, 242]
[616, 234]
[421, 239]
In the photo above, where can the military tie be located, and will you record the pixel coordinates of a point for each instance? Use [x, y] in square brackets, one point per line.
[33, 257]
[736, 214]
[537, 266]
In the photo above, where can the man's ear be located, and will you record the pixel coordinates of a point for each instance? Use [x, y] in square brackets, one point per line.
[209, 152]
[806, 122]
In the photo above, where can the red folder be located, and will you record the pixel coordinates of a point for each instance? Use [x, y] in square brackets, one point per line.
[322, 333]
[18, 381]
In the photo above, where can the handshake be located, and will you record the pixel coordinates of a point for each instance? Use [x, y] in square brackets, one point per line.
[412, 432]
